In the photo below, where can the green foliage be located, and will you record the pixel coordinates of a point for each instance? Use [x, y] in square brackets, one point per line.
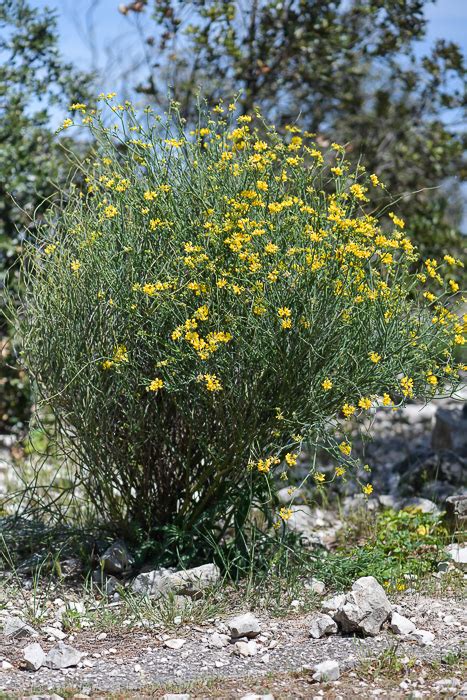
[33, 79]
[350, 71]
[401, 547]
[205, 309]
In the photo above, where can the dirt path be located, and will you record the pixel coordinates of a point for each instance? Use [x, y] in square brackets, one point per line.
[139, 662]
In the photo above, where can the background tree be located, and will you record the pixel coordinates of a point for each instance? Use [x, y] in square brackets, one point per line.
[353, 72]
[34, 80]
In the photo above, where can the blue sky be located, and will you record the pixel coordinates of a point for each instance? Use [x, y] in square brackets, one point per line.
[94, 35]
[114, 38]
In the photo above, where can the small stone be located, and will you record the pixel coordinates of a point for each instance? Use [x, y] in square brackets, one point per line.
[322, 625]
[447, 683]
[245, 648]
[6, 666]
[423, 637]
[54, 696]
[422, 505]
[176, 696]
[100, 637]
[317, 586]
[17, 629]
[62, 656]
[458, 554]
[400, 624]
[174, 643]
[117, 559]
[331, 605]
[218, 641]
[326, 671]
[191, 582]
[54, 632]
[34, 656]
[456, 511]
[244, 626]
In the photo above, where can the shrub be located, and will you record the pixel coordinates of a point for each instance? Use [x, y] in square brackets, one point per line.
[209, 303]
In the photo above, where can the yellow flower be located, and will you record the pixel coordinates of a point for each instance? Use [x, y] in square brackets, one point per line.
[319, 477]
[174, 143]
[49, 249]
[367, 489]
[284, 312]
[431, 379]
[67, 123]
[407, 386]
[345, 448]
[212, 382]
[337, 171]
[374, 357]
[327, 384]
[110, 211]
[261, 185]
[77, 106]
[396, 221]
[348, 410]
[340, 471]
[387, 401]
[454, 286]
[202, 313]
[291, 459]
[374, 180]
[359, 192]
[365, 403]
[285, 513]
[155, 385]
[120, 354]
[150, 195]
[422, 530]
[75, 265]
[286, 323]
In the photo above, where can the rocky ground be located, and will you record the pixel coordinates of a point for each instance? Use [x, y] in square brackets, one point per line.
[150, 660]
[59, 640]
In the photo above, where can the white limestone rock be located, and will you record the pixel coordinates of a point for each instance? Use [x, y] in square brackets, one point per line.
[366, 608]
[244, 626]
[322, 625]
[400, 624]
[326, 671]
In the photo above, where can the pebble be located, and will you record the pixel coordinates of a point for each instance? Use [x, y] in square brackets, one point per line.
[62, 656]
[400, 624]
[174, 643]
[423, 637]
[54, 632]
[245, 648]
[34, 656]
[244, 626]
[218, 641]
[322, 625]
[17, 629]
[326, 671]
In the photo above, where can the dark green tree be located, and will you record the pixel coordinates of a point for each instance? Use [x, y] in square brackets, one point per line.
[34, 80]
[349, 70]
